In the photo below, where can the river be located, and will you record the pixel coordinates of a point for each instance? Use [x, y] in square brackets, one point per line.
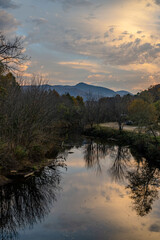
[102, 192]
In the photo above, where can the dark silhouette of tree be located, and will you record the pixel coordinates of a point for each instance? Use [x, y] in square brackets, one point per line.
[94, 153]
[144, 181]
[91, 110]
[143, 185]
[26, 203]
[121, 157]
[114, 109]
[11, 53]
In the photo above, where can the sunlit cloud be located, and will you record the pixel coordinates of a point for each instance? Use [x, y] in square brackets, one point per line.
[25, 66]
[85, 65]
[111, 43]
[145, 67]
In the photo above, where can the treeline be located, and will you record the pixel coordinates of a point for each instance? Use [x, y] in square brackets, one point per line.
[142, 110]
[110, 109]
[32, 120]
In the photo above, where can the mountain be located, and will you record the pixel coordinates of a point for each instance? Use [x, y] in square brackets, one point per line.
[72, 90]
[95, 90]
[122, 93]
[84, 90]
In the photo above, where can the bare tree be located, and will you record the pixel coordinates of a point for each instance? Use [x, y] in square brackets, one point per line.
[11, 53]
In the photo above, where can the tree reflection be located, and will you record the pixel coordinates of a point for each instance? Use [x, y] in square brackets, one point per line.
[143, 178]
[143, 184]
[26, 203]
[93, 153]
[121, 156]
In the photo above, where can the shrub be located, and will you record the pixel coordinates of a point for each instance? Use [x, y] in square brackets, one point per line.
[36, 153]
[20, 152]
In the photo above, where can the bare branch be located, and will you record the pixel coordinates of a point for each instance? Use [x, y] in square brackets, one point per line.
[11, 53]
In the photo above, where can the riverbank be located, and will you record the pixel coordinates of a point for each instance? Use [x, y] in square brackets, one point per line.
[142, 143]
[24, 172]
[24, 166]
[17, 169]
[31, 170]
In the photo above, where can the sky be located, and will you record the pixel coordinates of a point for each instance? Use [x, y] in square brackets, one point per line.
[109, 43]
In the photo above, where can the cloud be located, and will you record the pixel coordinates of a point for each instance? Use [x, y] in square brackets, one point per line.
[125, 32]
[73, 3]
[139, 32]
[7, 22]
[110, 31]
[136, 55]
[131, 52]
[154, 228]
[95, 78]
[126, 44]
[123, 53]
[85, 65]
[157, 2]
[91, 16]
[8, 4]
[88, 3]
[39, 21]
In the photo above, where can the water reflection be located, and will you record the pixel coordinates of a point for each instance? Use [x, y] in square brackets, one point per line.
[143, 178]
[144, 183]
[26, 203]
[121, 156]
[94, 153]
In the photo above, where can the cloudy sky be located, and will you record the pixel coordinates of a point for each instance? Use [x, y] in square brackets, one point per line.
[110, 43]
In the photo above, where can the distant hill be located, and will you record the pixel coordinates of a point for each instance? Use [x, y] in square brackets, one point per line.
[122, 93]
[95, 90]
[152, 93]
[84, 90]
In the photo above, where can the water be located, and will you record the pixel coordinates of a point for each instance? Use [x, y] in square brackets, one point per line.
[104, 193]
